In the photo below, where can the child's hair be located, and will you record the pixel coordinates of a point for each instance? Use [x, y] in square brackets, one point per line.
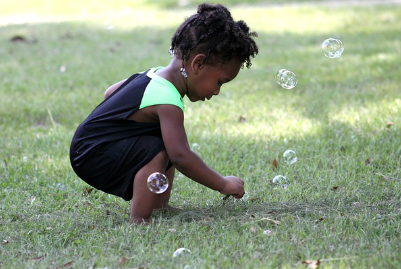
[213, 31]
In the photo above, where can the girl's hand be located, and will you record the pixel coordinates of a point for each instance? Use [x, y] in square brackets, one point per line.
[233, 186]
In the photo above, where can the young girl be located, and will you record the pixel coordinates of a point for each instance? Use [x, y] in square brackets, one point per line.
[139, 128]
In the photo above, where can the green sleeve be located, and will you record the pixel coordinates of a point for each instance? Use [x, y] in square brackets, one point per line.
[160, 92]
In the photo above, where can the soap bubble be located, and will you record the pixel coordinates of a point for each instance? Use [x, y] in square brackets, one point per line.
[290, 156]
[286, 79]
[332, 48]
[267, 232]
[157, 183]
[195, 146]
[282, 181]
[181, 252]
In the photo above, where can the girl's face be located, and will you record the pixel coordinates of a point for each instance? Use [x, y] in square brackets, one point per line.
[206, 80]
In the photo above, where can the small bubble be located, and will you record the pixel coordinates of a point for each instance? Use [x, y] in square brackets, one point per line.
[290, 156]
[282, 181]
[25, 159]
[267, 232]
[157, 183]
[332, 48]
[195, 146]
[286, 79]
[181, 252]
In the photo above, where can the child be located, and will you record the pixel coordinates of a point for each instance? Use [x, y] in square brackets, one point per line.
[139, 128]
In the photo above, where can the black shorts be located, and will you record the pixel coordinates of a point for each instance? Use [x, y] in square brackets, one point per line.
[111, 167]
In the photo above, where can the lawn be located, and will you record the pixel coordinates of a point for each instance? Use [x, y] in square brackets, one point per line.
[342, 207]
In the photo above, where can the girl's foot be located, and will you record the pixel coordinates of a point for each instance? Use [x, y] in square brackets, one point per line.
[139, 221]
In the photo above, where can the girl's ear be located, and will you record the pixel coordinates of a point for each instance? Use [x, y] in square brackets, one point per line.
[197, 63]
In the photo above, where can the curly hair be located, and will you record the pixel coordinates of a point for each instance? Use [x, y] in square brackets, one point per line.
[213, 31]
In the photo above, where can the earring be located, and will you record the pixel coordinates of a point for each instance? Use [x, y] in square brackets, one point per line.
[183, 73]
[171, 52]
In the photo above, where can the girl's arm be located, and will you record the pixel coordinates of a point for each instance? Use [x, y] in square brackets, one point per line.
[112, 88]
[188, 162]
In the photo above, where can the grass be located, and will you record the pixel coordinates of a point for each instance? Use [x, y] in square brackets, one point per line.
[343, 120]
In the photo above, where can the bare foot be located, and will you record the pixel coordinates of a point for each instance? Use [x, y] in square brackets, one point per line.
[139, 221]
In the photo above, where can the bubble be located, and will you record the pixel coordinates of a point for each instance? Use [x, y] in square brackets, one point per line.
[282, 181]
[290, 156]
[286, 79]
[195, 146]
[157, 183]
[267, 232]
[181, 252]
[332, 48]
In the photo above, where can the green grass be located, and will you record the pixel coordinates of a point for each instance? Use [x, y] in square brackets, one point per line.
[342, 205]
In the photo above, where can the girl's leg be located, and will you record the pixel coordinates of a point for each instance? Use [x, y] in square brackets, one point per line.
[162, 199]
[143, 200]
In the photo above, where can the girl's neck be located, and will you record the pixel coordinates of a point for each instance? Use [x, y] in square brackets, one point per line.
[173, 74]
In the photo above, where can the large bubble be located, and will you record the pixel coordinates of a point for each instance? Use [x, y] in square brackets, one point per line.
[281, 181]
[286, 79]
[290, 156]
[332, 48]
[157, 183]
